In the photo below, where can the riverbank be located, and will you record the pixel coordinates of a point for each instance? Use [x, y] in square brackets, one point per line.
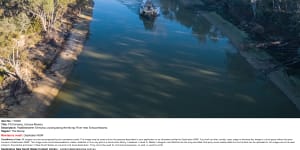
[35, 104]
[258, 59]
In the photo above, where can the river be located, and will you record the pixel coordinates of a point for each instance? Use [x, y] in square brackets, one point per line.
[178, 65]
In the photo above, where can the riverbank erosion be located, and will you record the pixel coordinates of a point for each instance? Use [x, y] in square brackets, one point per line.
[35, 103]
[257, 58]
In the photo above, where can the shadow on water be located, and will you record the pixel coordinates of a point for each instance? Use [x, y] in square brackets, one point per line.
[134, 85]
[181, 67]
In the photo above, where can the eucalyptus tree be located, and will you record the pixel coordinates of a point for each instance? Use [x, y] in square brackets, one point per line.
[49, 12]
[13, 56]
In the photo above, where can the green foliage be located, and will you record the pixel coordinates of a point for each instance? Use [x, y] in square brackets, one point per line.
[48, 11]
[21, 22]
[82, 3]
[9, 8]
[12, 37]
[35, 26]
[2, 76]
[46, 5]
[11, 28]
[7, 32]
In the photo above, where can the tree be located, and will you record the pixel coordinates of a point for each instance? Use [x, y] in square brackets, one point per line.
[12, 53]
[48, 11]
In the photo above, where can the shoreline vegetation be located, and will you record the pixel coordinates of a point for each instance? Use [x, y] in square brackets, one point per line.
[257, 58]
[29, 83]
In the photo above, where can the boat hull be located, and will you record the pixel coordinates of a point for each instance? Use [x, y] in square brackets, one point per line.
[152, 13]
[148, 9]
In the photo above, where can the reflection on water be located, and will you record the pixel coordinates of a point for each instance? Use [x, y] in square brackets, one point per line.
[148, 23]
[269, 21]
[178, 66]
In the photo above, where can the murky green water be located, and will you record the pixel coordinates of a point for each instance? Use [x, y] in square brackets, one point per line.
[170, 67]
